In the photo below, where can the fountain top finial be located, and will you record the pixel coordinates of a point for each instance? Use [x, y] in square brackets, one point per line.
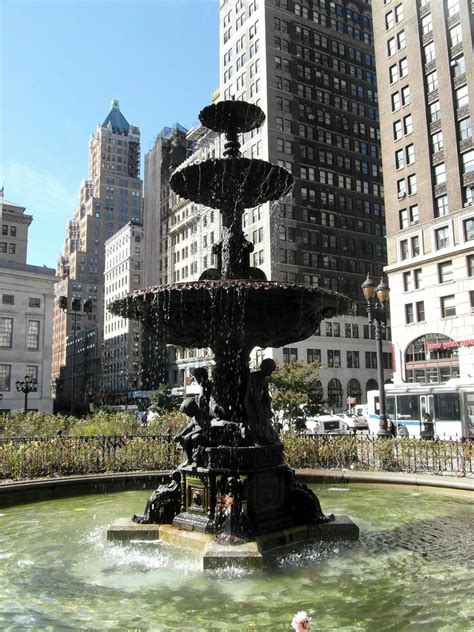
[232, 117]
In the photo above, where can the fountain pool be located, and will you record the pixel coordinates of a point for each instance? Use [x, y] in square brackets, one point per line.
[413, 567]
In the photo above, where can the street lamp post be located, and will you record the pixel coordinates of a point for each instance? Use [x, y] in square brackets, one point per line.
[76, 307]
[27, 385]
[377, 301]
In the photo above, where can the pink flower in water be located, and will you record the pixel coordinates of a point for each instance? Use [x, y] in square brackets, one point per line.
[301, 622]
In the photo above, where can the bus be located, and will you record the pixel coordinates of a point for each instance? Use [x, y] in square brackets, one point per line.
[426, 410]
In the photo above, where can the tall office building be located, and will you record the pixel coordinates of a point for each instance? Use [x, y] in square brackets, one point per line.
[121, 357]
[425, 68]
[310, 65]
[109, 198]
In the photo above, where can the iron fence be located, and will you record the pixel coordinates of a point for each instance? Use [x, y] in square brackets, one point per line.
[26, 457]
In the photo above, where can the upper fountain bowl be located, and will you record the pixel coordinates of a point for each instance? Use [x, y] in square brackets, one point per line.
[232, 117]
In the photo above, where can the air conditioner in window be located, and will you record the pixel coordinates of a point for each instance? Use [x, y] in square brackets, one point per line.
[402, 195]
[467, 204]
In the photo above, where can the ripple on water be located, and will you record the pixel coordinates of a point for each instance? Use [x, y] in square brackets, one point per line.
[413, 552]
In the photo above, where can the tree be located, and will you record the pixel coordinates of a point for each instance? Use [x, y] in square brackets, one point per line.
[294, 385]
[162, 401]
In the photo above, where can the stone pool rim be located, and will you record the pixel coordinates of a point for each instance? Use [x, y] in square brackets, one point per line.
[27, 491]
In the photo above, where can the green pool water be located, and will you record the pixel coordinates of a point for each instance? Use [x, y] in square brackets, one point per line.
[413, 569]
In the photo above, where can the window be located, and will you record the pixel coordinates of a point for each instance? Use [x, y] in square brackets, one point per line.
[407, 282]
[468, 226]
[396, 101]
[435, 112]
[401, 40]
[403, 218]
[6, 333]
[407, 124]
[462, 97]
[432, 82]
[410, 154]
[409, 314]
[404, 249]
[470, 265]
[417, 278]
[426, 24]
[415, 246]
[448, 306]
[32, 371]
[420, 311]
[465, 128]
[334, 358]
[352, 358]
[313, 355]
[429, 52]
[414, 215]
[5, 377]
[442, 207]
[440, 173]
[398, 13]
[401, 188]
[389, 20]
[459, 67]
[445, 271]
[455, 35]
[399, 159]
[34, 302]
[452, 7]
[32, 340]
[403, 67]
[391, 46]
[412, 186]
[437, 142]
[290, 354]
[8, 299]
[406, 95]
[442, 238]
[393, 72]
[467, 161]
[397, 130]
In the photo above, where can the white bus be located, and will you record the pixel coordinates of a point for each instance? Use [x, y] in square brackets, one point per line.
[449, 406]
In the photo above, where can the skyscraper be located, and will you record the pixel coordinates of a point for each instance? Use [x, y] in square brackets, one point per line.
[424, 53]
[109, 198]
[310, 65]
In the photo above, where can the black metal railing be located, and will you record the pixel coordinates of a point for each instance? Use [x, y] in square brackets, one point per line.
[27, 457]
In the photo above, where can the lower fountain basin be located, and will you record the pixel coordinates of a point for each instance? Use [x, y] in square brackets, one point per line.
[415, 551]
[263, 313]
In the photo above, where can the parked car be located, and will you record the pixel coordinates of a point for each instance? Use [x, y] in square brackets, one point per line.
[325, 424]
[353, 423]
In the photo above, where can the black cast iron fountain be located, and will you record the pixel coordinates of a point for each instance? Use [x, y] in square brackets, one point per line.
[235, 479]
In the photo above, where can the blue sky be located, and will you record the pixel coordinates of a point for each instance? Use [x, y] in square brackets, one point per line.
[63, 61]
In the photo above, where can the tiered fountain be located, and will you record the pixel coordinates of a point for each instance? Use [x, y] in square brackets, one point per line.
[235, 488]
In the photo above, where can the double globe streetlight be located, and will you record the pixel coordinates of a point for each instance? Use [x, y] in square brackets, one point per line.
[377, 307]
[26, 386]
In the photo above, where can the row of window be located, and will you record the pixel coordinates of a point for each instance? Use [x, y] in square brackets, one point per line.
[10, 248]
[32, 335]
[447, 307]
[334, 358]
[442, 238]
[8, 230]
[9, 299]
[6, 375]
[412, 280]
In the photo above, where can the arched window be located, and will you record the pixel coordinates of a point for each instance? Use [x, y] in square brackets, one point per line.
[354, 390]
[335, 394]
[371, 385]
[431, 359]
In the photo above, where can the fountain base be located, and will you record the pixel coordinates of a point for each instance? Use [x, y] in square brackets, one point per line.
[249, 555]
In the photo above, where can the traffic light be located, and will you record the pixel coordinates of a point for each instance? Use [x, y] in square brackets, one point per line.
[62, 302]
[76, 304]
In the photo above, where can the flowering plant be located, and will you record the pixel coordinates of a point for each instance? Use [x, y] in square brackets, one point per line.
[301, 621]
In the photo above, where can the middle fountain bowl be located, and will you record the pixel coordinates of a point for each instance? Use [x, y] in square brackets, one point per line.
[261, 313]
